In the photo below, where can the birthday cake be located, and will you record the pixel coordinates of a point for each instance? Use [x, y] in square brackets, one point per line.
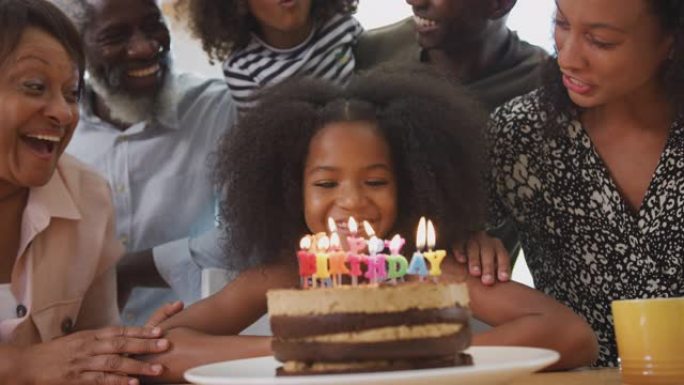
[368, 328]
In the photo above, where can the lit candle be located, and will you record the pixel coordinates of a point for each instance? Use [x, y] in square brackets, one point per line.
[337, 259]
[307, 261]
[354, 257]
[417, 265]
[322, 271]
[396, 263]
[369, 229]
[376, 262]
[356, 244]
[435, 257]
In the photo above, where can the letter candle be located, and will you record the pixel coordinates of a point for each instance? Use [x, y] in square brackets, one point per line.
[322, 271]
[417, 265]
[435, 257]
[307, 261]
[337, 259]
[396, 263]
[354, 256]
[376, 262]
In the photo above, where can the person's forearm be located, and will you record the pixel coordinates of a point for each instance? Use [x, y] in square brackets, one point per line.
[195, 349]
[203, 316]
[575, 344]
[217, 316]
[237, 305]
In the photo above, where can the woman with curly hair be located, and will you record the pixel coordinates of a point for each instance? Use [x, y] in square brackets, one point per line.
[591, 166]
[389, 148]
[263, 42]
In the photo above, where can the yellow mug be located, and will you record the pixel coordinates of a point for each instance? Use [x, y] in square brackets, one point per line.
[650, 340]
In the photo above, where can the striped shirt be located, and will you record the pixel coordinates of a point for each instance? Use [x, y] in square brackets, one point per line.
[325, 54]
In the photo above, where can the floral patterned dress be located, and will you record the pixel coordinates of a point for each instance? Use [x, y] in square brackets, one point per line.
[583, 243]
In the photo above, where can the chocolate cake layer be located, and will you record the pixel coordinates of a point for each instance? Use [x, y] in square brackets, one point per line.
[297, 350]
[299, 369]
[304, 326]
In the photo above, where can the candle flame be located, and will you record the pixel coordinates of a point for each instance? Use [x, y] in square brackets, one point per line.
[323, 243]
[352, 225]
[335, 242]
[369, 229]
[420, 234]
[331, 225]
[431, 237]
[305, 242]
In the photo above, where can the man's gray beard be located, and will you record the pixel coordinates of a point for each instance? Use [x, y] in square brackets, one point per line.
[131, 109]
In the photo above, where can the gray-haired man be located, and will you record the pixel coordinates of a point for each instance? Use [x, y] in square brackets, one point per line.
[149, 131]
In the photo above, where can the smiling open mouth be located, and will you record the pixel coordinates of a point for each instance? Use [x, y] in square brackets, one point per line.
[423, 23]
[342, 226]
[44, 145]
[144, 72]
[576, 85]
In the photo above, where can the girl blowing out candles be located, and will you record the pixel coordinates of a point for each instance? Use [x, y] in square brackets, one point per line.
[390, 147]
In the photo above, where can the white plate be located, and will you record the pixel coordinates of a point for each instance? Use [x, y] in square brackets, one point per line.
[494, 365]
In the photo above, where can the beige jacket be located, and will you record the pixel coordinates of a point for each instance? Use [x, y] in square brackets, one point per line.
[64, 279]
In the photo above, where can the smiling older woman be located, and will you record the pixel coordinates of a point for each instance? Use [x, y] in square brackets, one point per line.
[57, 250]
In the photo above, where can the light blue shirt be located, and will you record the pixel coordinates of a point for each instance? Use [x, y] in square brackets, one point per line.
[160, 175]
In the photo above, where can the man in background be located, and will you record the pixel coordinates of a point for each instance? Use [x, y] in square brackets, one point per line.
[469, 41]
[150, 132]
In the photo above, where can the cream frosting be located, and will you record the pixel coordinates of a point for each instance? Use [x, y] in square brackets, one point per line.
[366, 299]
[296, 366]
[389, 333]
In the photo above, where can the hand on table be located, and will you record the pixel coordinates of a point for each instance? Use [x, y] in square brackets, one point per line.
[486, 257]
[91, 357]
[190, 348]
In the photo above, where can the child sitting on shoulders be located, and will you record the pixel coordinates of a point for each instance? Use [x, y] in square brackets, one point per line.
[262, 43]
[390, 147]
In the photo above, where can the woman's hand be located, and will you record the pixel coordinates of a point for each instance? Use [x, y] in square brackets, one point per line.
[91, 357]
[486, 257]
